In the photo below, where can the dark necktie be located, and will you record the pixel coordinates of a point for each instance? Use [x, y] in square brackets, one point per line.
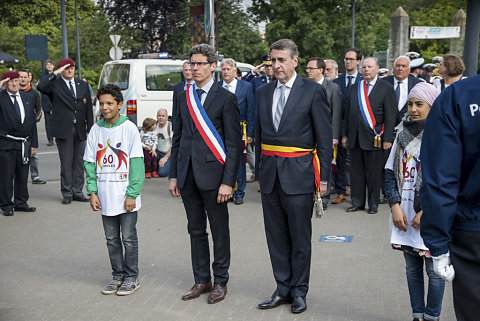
[349, 83]
[200, 93]
[16, 105]
[71, 88]
[397, 91]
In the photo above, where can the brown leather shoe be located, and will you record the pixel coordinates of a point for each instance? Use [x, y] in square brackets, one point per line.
[218, 293]
[340, 198]
[197, 290]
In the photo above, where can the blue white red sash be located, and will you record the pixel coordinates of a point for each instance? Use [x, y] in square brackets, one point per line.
[365, 109]
[204, 125]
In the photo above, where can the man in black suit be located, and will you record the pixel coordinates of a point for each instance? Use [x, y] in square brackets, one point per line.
[352, 58]
[315, 71]
[293, 126]
[402, 82]
[72, 118]
[203, 170]
[366, 144]
[18, 138]
[180, 87]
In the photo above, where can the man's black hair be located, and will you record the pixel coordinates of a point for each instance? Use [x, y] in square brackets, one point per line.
[110, 89]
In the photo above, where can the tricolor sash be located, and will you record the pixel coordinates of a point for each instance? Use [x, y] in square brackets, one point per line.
[204, 125]
[366, 111]
[287, 151]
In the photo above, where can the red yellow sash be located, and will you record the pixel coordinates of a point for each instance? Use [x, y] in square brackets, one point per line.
[286, 151]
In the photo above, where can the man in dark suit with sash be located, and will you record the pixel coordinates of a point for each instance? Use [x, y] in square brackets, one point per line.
[206, 151]
[293, 127]
[71, 120]
[18, 138]
[367, 137]
[351, 59]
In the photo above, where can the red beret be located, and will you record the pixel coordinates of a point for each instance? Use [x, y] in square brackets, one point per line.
[65, 61]
[10, 74]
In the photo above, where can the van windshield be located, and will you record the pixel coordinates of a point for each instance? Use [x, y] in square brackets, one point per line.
[162, 78]
[117, 74]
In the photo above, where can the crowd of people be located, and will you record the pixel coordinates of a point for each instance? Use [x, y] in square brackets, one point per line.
[379, 138]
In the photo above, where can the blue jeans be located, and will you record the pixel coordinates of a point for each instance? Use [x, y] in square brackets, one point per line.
[436, 286]
[163, 171]
[124, 266]
[241, 180]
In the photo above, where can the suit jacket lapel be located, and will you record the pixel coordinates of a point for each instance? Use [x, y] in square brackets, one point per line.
[210, 96]
[269, 102]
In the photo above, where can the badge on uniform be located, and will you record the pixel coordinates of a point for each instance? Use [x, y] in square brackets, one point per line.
[84, 100]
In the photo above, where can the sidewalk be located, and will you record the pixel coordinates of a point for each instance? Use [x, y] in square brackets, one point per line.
[54, 264]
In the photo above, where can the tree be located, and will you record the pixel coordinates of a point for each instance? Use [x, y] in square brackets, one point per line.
[153, 20]
[324, 28]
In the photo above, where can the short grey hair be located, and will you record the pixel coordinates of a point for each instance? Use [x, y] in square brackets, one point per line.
[334, 63]
[205, 50]
[163, 109]
[374, 58]
[228, 61]
[287, 45]
[405, 57]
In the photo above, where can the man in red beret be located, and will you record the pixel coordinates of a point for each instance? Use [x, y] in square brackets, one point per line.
[18, 138]
[72, 118]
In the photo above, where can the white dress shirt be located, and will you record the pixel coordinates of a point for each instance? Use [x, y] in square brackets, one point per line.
[67, 82]
[206, 89]
[403, 92]
[20, 104]
[278, 91]
[354, 77]
[232, 86]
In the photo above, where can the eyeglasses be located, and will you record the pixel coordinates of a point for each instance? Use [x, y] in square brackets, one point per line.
[191, 63]
[311, 68]
[351, 59]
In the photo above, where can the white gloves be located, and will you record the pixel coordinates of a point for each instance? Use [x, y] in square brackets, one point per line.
[443, 267]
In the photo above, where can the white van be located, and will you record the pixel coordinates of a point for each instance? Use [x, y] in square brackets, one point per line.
[147, 84]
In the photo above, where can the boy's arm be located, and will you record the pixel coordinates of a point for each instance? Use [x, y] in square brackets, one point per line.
[136, 177]
[91, 177]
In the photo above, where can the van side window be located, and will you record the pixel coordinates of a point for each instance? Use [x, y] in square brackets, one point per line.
[162, 78]
[117, 74]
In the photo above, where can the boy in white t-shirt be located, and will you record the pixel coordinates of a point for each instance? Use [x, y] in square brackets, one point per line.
[114, 168]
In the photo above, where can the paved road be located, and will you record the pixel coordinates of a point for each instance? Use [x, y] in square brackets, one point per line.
[54, 263]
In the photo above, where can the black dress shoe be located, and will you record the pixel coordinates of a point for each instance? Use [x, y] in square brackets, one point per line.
[39, 181]
[67, 200]
[355, 208]
[238, 201]
[25, 209]
[372, 211]
[274, 301]
[81, 198]
[8, 212]
[299, 304]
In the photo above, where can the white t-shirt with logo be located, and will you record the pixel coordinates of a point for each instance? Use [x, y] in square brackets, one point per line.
[111, 149]
[410, 169]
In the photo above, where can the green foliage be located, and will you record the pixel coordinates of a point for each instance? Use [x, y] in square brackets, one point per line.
[323, 28]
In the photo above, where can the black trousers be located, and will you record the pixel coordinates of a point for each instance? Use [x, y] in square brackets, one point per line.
[365, 175]
[288, 228]
[200, 204]
[13, 180]
[71, 152]
[465, 256]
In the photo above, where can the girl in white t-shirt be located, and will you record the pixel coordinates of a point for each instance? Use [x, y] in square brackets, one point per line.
[402, 183]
